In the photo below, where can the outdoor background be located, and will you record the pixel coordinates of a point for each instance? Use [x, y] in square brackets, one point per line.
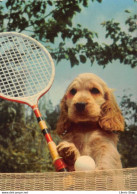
[97, 36]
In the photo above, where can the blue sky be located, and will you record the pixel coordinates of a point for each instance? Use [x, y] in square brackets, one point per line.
[118, 76]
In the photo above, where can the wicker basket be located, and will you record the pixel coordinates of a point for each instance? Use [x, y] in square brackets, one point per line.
[123, 179]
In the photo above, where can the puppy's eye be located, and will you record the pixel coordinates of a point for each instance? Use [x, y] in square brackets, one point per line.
[95, 91]
[73, 91]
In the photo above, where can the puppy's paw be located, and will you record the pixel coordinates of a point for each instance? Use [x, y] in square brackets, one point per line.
[68, 152]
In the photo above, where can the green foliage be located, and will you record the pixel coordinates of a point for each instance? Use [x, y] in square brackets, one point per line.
[46, 24]
[128, 147]
[123, 45]
[22, 146]
[51, 118]
[128, 139]
[131, 21]
[129, 109]
[49, 20]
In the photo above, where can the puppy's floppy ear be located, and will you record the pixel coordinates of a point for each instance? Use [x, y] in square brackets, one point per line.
[63, 122]
[111, 118]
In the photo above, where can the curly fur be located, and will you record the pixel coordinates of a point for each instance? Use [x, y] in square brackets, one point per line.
[88, 119]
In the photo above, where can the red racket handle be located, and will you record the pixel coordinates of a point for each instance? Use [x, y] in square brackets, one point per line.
[58, 162]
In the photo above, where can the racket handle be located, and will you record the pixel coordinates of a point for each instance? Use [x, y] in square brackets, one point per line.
[58, 162]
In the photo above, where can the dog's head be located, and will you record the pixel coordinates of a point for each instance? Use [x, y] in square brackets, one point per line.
[88, 99]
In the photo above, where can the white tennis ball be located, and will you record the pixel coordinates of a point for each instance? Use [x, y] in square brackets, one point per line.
[84, 163]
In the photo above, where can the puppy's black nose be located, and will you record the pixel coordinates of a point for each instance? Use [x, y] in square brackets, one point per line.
[80, 106]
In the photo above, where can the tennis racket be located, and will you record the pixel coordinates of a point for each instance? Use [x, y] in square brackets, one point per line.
[27, 73]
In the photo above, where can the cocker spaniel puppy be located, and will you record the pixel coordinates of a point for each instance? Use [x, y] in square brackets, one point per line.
[88, 122]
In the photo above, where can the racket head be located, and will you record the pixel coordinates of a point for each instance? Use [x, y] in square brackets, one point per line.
[26, 68]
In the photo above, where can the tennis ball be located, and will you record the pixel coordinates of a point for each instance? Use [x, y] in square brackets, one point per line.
[84, 163]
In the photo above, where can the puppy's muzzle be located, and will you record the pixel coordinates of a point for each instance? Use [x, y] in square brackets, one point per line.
[80, 106]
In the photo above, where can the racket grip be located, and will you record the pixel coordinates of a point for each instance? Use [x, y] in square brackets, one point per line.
[58, 162]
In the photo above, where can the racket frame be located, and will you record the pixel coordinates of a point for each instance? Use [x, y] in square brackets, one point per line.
[57, 160]
[37, 96]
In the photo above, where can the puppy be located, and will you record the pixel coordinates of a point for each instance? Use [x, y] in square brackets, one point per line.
[88, 123]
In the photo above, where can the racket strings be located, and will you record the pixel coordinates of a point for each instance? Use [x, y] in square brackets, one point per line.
[23, 71]
[9, 77]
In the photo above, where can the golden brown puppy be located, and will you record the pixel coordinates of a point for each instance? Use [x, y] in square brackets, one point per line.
[88, 121]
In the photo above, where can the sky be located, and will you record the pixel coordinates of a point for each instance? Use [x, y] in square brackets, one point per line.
[118, 76]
